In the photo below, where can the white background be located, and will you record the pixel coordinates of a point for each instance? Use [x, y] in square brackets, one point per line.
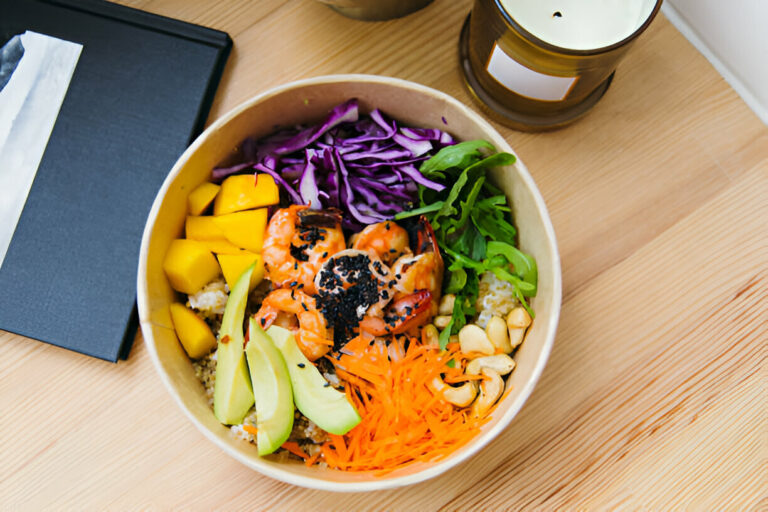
[733, 35]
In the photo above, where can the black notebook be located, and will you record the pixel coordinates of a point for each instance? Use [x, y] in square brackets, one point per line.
[140, 92]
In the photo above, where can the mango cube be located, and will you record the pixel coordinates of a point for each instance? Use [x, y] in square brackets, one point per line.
[244, 192]
[203, 228]
[189, 266]
[222, 247]
[200, 198]
[233, 266]
[244, 229]
[194, 334]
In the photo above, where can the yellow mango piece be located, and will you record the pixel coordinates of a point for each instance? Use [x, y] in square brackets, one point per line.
[244, 229]
[239, 193]
[194, 334]
[200, 198]
[189, 265]
[233, 266]
[203, 228]
[222, 247]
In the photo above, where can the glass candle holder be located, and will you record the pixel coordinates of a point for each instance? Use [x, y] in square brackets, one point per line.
[541, 64]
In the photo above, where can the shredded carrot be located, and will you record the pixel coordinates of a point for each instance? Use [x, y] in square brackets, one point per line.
[403, 420]
[311, 460]
[294, 448]
[251, 429]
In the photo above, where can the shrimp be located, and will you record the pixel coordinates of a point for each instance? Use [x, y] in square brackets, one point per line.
[311, 334]
[422, 271]
[402, 315]
[385, 240]
[298, 242]
[350, 285]
[415, 289]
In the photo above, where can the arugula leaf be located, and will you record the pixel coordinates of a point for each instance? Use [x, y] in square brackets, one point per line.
[470, 221]
[457, 281]
[462, 308]
[445, 334]
[493, 189]
[464, 242]
[466, 206]
[495, 160]
[498, 200]
[478, 251]
[459, 260]
[420, 211]
[525, 265]
[460, 155]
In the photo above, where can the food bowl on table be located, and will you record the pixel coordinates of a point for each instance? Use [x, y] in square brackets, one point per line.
[309, 101]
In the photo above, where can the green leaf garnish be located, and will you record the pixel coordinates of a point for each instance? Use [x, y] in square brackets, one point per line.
[472, 224]
[460, 155]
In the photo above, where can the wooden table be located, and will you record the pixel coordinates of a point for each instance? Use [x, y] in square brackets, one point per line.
[655, 396]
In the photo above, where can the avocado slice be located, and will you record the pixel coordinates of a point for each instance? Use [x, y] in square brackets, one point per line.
[271, 388]
[314, 397]
[232, 393]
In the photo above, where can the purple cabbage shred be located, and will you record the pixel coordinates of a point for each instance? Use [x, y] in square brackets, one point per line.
[364, 164]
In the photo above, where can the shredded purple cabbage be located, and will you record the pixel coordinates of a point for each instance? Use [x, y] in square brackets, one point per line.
[363, 164]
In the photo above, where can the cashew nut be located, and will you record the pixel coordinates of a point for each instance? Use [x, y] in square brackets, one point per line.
[498, 334]
[441, 321]
[429, 335]
[472, 338]
[446, 304]
[490, 391]
[460, 396]
[500, 363]
[518, 321]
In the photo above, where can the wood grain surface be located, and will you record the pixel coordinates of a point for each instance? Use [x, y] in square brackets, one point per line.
[656, 393]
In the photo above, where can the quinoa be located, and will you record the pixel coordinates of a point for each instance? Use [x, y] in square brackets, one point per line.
[495, 298]
[239, 432]
[205, 371]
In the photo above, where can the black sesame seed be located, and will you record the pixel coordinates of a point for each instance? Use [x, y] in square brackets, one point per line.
[304, 306]
[263, 321]
[300, 365]
[325, 254]
[326, 384]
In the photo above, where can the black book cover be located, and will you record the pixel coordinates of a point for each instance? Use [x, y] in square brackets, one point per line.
[140, 93]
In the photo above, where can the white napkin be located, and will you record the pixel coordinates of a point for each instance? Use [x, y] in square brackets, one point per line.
[29, 105]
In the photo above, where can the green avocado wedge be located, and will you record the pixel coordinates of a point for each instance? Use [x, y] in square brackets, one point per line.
[314, 397]
[271, 389]
[232, 392]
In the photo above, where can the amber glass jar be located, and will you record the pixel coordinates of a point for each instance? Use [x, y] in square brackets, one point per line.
[530, 83]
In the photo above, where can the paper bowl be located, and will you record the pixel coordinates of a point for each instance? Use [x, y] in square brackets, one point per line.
[308, 101]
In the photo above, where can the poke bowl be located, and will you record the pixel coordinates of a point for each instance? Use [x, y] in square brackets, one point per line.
[195, 328]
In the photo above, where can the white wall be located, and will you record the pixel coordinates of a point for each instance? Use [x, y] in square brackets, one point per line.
[733, 36]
